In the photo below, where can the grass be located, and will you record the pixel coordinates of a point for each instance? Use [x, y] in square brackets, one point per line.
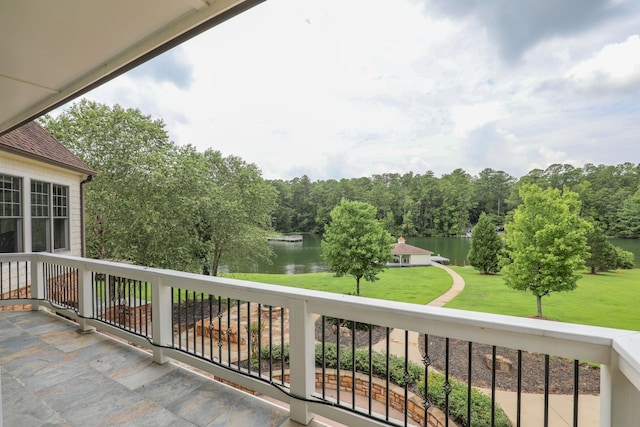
[605, 299]
[415, 285]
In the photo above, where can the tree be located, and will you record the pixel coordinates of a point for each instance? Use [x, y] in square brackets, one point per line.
[546, 243]
[355, 243]
[628, 225]
[234, 213]
[134, 207]
[485, 246]
[602, 254]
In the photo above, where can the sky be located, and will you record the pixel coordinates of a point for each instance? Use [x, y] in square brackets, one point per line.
[338, 89]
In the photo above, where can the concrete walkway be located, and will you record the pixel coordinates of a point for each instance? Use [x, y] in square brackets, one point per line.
[532, 411]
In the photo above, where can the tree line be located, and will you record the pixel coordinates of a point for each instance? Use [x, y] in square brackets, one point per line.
[425, 205]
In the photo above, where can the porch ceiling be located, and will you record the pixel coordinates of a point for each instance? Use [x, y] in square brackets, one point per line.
[53, 51]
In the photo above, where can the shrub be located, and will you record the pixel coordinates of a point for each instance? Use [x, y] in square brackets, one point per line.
[625, 259]
[480, 402]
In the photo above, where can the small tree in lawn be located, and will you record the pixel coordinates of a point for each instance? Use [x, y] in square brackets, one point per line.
[485, 246]
[546, 243]
[602, 254]
[355, 243]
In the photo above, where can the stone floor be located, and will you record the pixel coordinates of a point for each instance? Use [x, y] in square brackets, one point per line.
[53, 375]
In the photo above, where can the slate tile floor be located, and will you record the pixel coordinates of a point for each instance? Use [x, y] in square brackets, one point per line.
[54, 375]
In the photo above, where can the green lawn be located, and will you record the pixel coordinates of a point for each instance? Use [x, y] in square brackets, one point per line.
[605, 299]
[416, 285]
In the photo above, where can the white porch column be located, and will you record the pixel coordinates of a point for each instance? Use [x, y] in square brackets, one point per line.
[161, 319]
[619, 397]
[85, 302]
[37, 282]
[301, 360]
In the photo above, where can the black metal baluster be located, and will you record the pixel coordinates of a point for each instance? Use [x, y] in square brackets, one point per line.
[220, 341]
[9, 269]
[282, 344]
[576, 375]
[546, 390]
[426, 360]
[370, 368]
[353, 364]
[493, 385]
[146, 308]
[447, 384]
[324, 360]
[260, 340]
[407, 377]
[271, 345]
[249, 334]
[238, 333]
[519, 397]
[27, 276]
[201, 323]
[338, 360]
[210, 327]
[469, 380]
[388, 379]
[173, 316]
[228, 331]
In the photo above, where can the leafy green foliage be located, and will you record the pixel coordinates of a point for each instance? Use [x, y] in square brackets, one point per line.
[136, 204]
[458, 398]
[545, 243]
[234, 210]
[485, 246]
[157, 204]
[355, 242]
[602, 254]
[628, 224]
[624, 259]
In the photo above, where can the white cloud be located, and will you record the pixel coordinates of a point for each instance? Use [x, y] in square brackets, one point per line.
[470, 117]
[615, 66]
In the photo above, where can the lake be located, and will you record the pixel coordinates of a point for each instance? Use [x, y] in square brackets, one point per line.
[305, 256]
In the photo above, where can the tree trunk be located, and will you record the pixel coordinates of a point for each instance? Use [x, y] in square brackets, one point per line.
[539, 306]
[358, 286]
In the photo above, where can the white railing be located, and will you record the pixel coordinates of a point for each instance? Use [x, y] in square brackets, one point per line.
[617, 351]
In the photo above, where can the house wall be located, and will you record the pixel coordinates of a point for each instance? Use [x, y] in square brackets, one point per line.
[28, 169]
[420, 260]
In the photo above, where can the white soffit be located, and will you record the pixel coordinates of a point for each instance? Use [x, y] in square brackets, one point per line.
[53, 51]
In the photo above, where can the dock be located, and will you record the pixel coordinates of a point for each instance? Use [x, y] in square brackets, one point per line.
[286, 238]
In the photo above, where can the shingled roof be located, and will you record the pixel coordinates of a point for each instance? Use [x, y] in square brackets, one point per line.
[401, 248]
[31, 140]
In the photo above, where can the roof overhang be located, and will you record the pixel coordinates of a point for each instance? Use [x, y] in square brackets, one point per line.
[54, 51]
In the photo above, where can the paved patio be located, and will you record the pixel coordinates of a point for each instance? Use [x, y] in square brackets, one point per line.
[54, 375]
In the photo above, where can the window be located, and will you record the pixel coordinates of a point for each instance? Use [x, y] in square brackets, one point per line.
[49, 205]
[40, 225]
[10, 214]
[60, 217]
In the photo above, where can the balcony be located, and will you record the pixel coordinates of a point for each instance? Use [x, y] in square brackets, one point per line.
[280, 345]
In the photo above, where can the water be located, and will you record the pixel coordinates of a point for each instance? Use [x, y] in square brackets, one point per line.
[305, 256]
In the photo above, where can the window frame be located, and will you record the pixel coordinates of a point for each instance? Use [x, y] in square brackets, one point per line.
[12, 210]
